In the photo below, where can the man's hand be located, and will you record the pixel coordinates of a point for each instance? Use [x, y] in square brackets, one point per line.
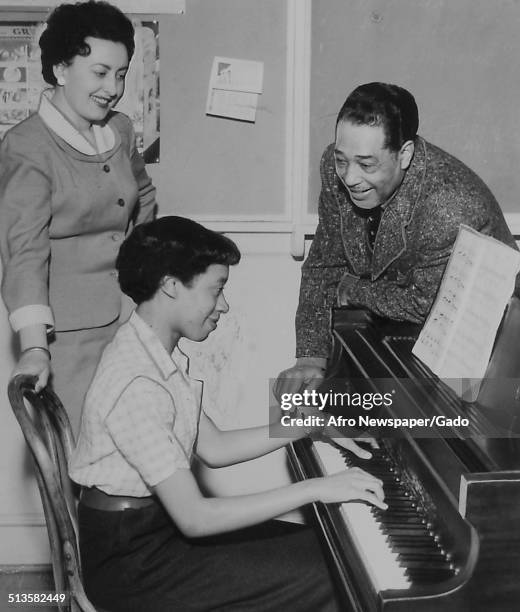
[303, 375]
[345, 288]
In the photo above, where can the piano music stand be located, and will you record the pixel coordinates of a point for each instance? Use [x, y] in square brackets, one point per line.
[500, 390]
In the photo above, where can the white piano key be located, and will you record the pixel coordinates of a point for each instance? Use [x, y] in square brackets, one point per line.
[380, 561]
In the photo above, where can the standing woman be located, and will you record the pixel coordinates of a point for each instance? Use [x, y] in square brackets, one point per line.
[72, 184]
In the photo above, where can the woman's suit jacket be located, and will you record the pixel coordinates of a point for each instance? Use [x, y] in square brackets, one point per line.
[63, 216]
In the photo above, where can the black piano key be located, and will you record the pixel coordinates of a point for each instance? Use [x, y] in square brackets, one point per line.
[425, 564]
[400, 512]
[390, 478]
[420, 552]
[409, 529]
[400, 519]
[402, 497]
[403, 507]
[413, 552]
[395, 489]
[420, 563]
[425, 576]
[398, 543]
[412, 538]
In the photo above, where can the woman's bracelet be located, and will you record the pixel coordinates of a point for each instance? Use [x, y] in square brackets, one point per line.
[36, 348]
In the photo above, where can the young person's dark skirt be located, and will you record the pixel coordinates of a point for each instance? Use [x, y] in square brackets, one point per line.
[137, 560]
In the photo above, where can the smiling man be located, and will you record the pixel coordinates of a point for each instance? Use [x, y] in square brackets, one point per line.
[390, 209]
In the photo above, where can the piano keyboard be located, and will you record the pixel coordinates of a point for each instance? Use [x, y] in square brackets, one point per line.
[398, 546]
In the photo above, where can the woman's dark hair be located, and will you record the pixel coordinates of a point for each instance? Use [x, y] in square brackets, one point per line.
[69, 25]
[169, 246]
[386, 105]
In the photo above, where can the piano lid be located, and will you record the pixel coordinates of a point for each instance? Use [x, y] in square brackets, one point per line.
[366, 346]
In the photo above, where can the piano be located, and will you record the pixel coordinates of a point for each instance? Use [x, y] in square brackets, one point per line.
[450, 538]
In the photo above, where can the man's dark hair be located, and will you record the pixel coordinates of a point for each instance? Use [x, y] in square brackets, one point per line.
[70, 24]
[386, 105]
[169, 246]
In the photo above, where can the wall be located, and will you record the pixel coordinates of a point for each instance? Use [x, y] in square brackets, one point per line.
[458, 57]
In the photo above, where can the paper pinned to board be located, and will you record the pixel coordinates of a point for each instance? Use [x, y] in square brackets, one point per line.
[234, 88]
[458, 336]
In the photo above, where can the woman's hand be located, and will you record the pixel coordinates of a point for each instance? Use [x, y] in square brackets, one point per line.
[35, 363]
[349, 485]
[351, 444]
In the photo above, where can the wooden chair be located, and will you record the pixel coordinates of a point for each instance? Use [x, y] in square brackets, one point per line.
[46, 428]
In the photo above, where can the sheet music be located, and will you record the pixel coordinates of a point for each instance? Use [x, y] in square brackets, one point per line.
[458, 336]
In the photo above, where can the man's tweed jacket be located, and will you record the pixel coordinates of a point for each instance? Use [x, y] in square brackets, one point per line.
[417, 230]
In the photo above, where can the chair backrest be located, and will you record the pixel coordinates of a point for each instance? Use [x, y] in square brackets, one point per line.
[46, 428]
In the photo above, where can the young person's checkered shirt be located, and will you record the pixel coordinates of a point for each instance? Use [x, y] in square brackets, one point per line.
[140, 417]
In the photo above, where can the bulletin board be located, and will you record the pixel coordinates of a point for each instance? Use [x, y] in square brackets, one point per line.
[214, 168]
[458, 57]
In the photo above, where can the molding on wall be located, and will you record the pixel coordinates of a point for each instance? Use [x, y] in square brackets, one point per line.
[274, 225]
[298, 117]
[307, 225]
[28, 519]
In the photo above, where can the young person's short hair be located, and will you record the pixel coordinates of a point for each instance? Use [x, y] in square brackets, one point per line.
[169, 246]
[383, 104]
[70, 24]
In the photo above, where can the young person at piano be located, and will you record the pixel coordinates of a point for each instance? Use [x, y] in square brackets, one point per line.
[149, 539]
[390, 208]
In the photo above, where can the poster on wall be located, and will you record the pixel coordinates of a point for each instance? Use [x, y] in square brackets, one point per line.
[141, 98]
[21, 81]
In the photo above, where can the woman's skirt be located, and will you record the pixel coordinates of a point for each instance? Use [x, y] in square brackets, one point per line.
[75, 355]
